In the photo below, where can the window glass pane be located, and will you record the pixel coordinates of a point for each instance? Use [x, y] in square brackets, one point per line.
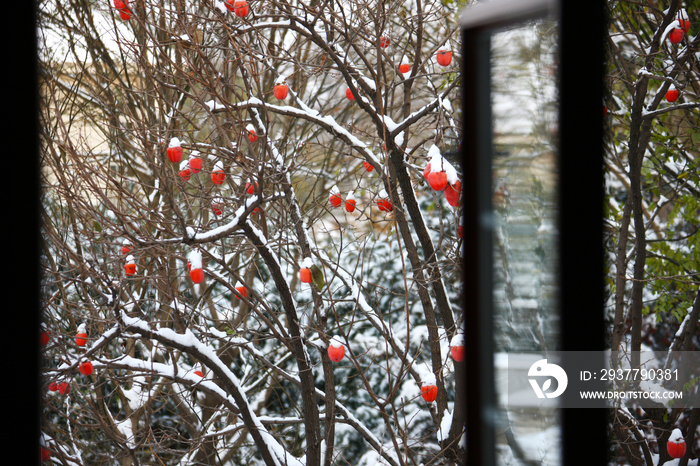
[526, 316]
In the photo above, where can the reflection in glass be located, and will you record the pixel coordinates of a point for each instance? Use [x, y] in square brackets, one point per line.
[524, 111]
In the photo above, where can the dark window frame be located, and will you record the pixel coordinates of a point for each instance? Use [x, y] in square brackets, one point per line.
[580, 197]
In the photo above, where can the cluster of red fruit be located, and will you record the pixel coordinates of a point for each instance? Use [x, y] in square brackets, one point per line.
[428, 388]
[194, 163]
[217, 205]
[438, 181]
[383, 202]
[250, 188]
[130, 264]
[335, 199]
[85, 366]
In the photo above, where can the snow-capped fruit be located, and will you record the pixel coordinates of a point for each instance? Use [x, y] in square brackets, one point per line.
[349, 94]
[197, 275]
[85, 367]
[305, 275]
[130, 265]
[334, 197]
[683, 20]
[195, 266]
[672, 94]
[195, 163]
[368, 166]
[444, 57]
[437, 180]
[218, 176]
[250, 188]
[252, 135]
[126, 246]
[675, 445]
[460, 231]
[452, 193]
[199, 373]
[45, 454]
[242, 290]
[44, 338]
[53, 387]
[81, 337]
[457, 347]
[676, 35]
[429, 393]
[229, 4]
[336, 350]
[185, 170]
[384, 42]
[281, 90]
[63, 388]
[426, 171]
[350, 202]
[240, 8]
[335, 200]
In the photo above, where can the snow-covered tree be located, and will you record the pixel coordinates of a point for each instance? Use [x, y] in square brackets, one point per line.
[194, 154]
[652, 202]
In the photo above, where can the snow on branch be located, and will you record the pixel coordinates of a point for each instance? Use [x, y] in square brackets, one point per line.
[372, 316]
[350, 419]
[420, 113]
[661, 111]
[327, 122]
[271, 451]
